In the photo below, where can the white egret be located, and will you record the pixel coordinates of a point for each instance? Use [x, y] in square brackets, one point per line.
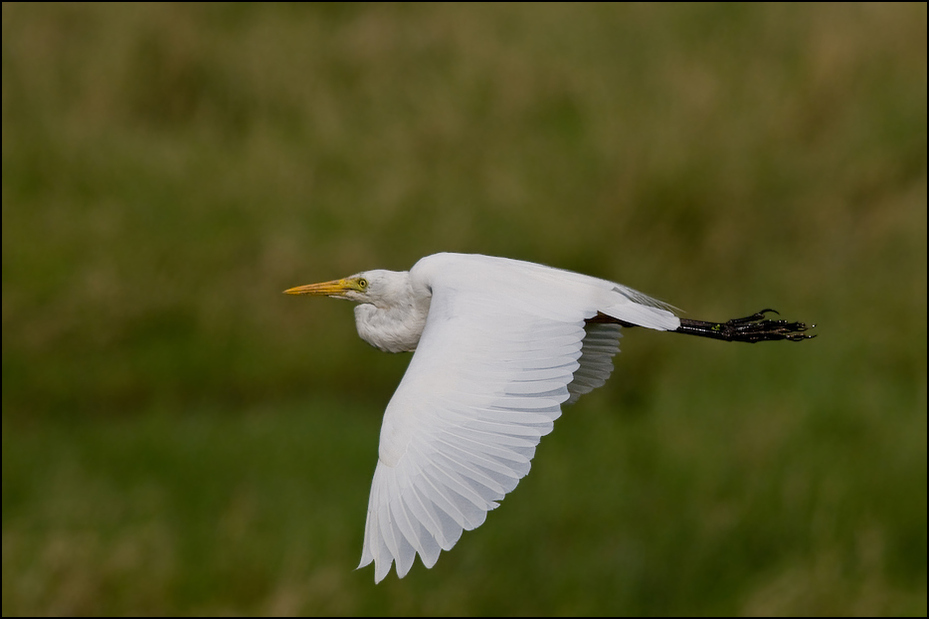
[500, 345]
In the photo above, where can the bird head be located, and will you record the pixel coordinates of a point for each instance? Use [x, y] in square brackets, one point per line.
[378, 287]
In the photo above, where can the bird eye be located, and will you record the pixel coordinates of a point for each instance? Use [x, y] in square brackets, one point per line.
[362, 283]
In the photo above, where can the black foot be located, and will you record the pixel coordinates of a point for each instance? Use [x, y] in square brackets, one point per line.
[750, 329]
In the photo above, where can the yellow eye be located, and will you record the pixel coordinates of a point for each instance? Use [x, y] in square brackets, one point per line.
[362, 283]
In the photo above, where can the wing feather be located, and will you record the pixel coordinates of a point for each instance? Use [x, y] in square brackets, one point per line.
[596, 361]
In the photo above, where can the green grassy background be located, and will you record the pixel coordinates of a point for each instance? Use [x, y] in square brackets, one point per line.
[179, 437]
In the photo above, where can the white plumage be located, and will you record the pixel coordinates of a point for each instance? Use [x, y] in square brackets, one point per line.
[500, 345]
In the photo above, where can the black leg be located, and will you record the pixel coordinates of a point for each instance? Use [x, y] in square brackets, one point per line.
[751, 329]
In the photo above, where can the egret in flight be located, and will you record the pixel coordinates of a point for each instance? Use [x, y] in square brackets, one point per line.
[499, 346]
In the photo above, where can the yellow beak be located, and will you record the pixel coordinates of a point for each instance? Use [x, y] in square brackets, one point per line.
[336, 287]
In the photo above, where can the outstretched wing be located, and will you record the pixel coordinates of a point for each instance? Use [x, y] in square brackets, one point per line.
[496, 360]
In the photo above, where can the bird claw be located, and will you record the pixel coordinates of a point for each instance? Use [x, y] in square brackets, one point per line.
[756, 328]
[753, 318]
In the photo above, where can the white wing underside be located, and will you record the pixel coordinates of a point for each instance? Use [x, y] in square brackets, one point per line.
[500, 353]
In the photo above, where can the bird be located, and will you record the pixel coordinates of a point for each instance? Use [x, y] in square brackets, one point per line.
[499, 346]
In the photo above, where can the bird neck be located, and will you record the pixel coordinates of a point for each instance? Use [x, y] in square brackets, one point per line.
[394, 322]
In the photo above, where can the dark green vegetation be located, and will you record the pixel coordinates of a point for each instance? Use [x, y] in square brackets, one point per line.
[180, 437]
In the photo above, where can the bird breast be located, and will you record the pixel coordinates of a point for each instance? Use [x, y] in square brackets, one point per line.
[395, 329]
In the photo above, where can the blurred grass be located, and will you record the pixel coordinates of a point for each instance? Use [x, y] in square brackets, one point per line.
[180, 438]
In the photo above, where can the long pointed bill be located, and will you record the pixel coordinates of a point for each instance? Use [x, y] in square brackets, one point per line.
[335, 288]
